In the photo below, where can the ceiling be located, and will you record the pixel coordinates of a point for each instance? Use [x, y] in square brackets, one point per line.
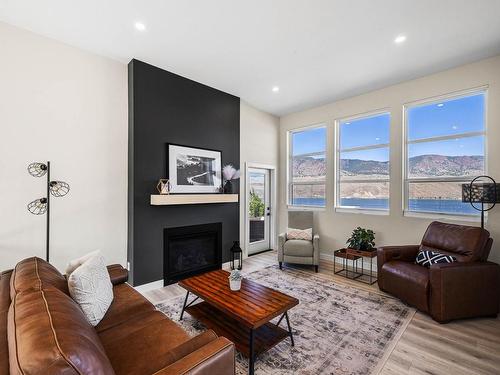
[316, 51]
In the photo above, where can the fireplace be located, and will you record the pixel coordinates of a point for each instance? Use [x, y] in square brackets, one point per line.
[191, 250]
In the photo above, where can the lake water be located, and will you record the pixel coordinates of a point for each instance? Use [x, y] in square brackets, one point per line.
[422, 205]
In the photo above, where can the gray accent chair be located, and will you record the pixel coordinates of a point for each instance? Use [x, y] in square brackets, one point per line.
[299, 251]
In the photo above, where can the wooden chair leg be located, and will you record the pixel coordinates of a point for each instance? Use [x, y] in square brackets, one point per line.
[281, 265]
[316, 268]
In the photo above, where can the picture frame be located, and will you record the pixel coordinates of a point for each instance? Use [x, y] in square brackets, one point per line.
[193, 170]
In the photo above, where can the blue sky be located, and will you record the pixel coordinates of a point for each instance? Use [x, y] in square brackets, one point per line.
[308, 141]
[431, 120]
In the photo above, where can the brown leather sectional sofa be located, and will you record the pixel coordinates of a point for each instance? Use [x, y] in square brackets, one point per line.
[467, 288]
[43, 331]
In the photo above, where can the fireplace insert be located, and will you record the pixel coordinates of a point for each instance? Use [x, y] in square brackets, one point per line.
[191, 250]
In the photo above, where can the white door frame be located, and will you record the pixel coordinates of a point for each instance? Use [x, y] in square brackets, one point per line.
[273, 204]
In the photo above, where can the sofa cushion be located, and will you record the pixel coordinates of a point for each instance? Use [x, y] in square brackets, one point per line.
[36, 274]
[298, 248]
[465, 243]
[407, 281]
[90, 286]
[48, 334]
[127, 303]
[141, 345]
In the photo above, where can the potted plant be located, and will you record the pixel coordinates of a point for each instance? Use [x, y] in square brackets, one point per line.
[235, 280]
[361, 239]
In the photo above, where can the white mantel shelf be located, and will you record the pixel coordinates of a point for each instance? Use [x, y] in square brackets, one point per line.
[171, 199]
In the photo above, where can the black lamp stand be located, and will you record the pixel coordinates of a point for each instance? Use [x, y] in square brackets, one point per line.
[42, 205]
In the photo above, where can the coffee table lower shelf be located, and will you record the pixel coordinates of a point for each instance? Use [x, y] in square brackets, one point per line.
[265, 337]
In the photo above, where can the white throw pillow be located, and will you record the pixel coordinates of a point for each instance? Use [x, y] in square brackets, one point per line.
[90, 286]
[74, 264]
[299, 234]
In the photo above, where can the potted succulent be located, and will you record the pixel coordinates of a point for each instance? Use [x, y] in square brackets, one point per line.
[235, 280]
[361, 239]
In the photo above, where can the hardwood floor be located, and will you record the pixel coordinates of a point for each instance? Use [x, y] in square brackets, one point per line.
[464, 347]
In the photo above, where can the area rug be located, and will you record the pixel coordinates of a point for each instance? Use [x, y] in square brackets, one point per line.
[338, 329]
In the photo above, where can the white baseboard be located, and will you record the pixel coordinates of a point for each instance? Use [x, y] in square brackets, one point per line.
[159, 283]
[326, 256]
[149, 286]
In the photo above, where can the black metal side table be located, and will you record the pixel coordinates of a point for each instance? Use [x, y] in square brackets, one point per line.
[365, 277]
[344, 271]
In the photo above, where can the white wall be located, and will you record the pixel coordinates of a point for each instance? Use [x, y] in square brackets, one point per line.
[259, 132]
[335, 228]
[68, 106]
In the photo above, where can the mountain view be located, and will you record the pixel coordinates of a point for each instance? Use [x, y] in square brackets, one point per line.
[308, 168]
[420, 166]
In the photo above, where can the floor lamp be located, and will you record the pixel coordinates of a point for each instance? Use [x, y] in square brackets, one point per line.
[480, 192]
[42, 205]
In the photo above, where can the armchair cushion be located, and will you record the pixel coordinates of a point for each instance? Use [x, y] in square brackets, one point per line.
[298, 248]
[407, 281]
[466, 243]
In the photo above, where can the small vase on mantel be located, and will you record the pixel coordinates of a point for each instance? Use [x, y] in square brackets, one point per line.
[228, 187]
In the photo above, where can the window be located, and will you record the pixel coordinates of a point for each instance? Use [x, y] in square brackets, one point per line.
[445, 147]
[307, 167]
[363, 162]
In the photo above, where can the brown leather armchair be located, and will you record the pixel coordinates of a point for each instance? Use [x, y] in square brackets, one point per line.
[467, 288]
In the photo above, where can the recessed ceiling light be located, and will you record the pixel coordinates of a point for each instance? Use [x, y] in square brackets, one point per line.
[440, 104]
[400, 39]
[347, 123]
[454, 127]
[140, 26]
[276, 89]
[377, 139]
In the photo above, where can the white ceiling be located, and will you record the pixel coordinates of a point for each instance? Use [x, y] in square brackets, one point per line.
[316, 51]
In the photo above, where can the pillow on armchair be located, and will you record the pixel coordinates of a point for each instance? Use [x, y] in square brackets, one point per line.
[299, 234]
[427, 258]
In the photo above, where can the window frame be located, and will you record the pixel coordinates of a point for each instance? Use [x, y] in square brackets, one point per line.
[289, 173]
[337, 206]
[405, 164]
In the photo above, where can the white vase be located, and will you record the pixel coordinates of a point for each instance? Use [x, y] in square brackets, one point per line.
[234, 285]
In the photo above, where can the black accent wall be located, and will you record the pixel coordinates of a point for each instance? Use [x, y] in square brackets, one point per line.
[167, 108]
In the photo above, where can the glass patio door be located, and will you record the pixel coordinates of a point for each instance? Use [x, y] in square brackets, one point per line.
[259, 210]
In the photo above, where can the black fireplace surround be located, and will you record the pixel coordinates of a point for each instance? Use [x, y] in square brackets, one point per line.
[191, 250]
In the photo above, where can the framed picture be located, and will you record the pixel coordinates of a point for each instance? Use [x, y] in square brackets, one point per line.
[193, 170]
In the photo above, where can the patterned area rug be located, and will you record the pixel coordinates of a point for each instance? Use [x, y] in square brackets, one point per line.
[338, 329]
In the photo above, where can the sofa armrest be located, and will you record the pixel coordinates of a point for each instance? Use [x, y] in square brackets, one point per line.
[463, 290]
[117, 274]
[405, 253]
[385, 254]
[216, 357]
[316, 249]
[281, 245]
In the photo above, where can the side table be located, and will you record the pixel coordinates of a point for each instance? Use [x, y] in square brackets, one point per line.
[344, 271]
[368, 277]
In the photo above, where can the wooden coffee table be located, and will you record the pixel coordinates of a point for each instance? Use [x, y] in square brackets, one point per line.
[243, 316]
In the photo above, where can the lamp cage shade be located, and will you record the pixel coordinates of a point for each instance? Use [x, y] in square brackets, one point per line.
[38, 206]
[37, 169]
[59, 188]
[481, 193]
